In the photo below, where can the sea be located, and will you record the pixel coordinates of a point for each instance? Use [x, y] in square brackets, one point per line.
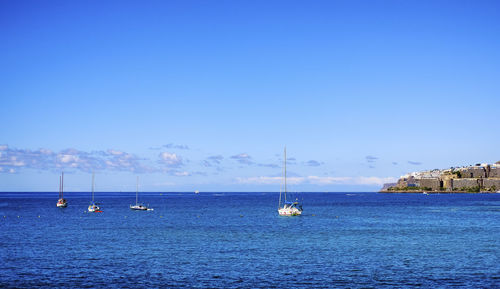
[238, 240]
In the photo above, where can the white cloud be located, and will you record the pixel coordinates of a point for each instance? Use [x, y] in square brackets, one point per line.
[316, 180]
[259, 180]
[170, 159]
[45, 151]
[3, 147]
[182, 174]
[269, 180]
[67, 158]
[328, 180]
[15, 162]
[115, 152]
[11, 158]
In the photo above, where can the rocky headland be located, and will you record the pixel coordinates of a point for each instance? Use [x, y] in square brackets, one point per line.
[479, 178]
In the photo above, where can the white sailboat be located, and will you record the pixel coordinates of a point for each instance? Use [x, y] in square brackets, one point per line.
[288, 208]
[61, 203]
[137, 206]
[93, 207]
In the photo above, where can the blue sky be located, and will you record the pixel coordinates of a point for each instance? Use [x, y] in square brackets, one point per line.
[204, 95]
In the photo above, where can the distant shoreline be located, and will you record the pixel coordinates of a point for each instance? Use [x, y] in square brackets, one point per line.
[435, 192]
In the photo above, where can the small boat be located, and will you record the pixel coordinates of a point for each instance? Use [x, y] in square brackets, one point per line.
[196, 192]
[93, 207]
[288, 208]
[61, 203]
[137, 206]
[425, 193]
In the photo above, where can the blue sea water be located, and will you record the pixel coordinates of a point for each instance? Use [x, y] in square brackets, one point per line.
[237, 240]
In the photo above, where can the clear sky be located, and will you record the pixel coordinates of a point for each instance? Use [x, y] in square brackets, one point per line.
[204, 95]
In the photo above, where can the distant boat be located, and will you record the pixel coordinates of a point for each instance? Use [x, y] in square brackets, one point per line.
[288, 208]
[137, 206]
[61, 203]
[196, 192]
[93, 207]
[425, 193]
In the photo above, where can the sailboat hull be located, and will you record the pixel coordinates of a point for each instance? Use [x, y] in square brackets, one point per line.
[94, 209]
[289, 212]
[61, 203]
[139, 208]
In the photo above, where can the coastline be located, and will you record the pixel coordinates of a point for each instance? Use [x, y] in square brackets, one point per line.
[435, 192]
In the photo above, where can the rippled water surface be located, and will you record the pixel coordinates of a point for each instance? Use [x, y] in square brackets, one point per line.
[237, 240]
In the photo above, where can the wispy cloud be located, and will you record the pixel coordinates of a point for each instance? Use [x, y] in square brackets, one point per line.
[268, 165]
[212, 161]
[198, 173]
[216, 159]
[414, 163]
[182, 174]
[243, 158]
[170, 146]
[12, 159]
[317, 180]
[313, 163]
[10, 171]
[262, 180]
[395, 163]
[176, 146]
[371, 159]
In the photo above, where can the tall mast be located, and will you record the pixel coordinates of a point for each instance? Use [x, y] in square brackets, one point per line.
[281, 186]
[92, 187]
[137, 191]
[285, 173]
[59, 187]
[62, 185]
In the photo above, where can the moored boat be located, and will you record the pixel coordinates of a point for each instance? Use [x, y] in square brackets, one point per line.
[288, 208]
[93, 207]
[61, 202]
[138, 206]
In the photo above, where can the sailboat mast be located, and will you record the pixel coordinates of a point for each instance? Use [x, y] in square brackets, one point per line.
[92, 187]
[62, 185]
[285, 173]
[137, 191]
[59, 187]
[281, 187]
